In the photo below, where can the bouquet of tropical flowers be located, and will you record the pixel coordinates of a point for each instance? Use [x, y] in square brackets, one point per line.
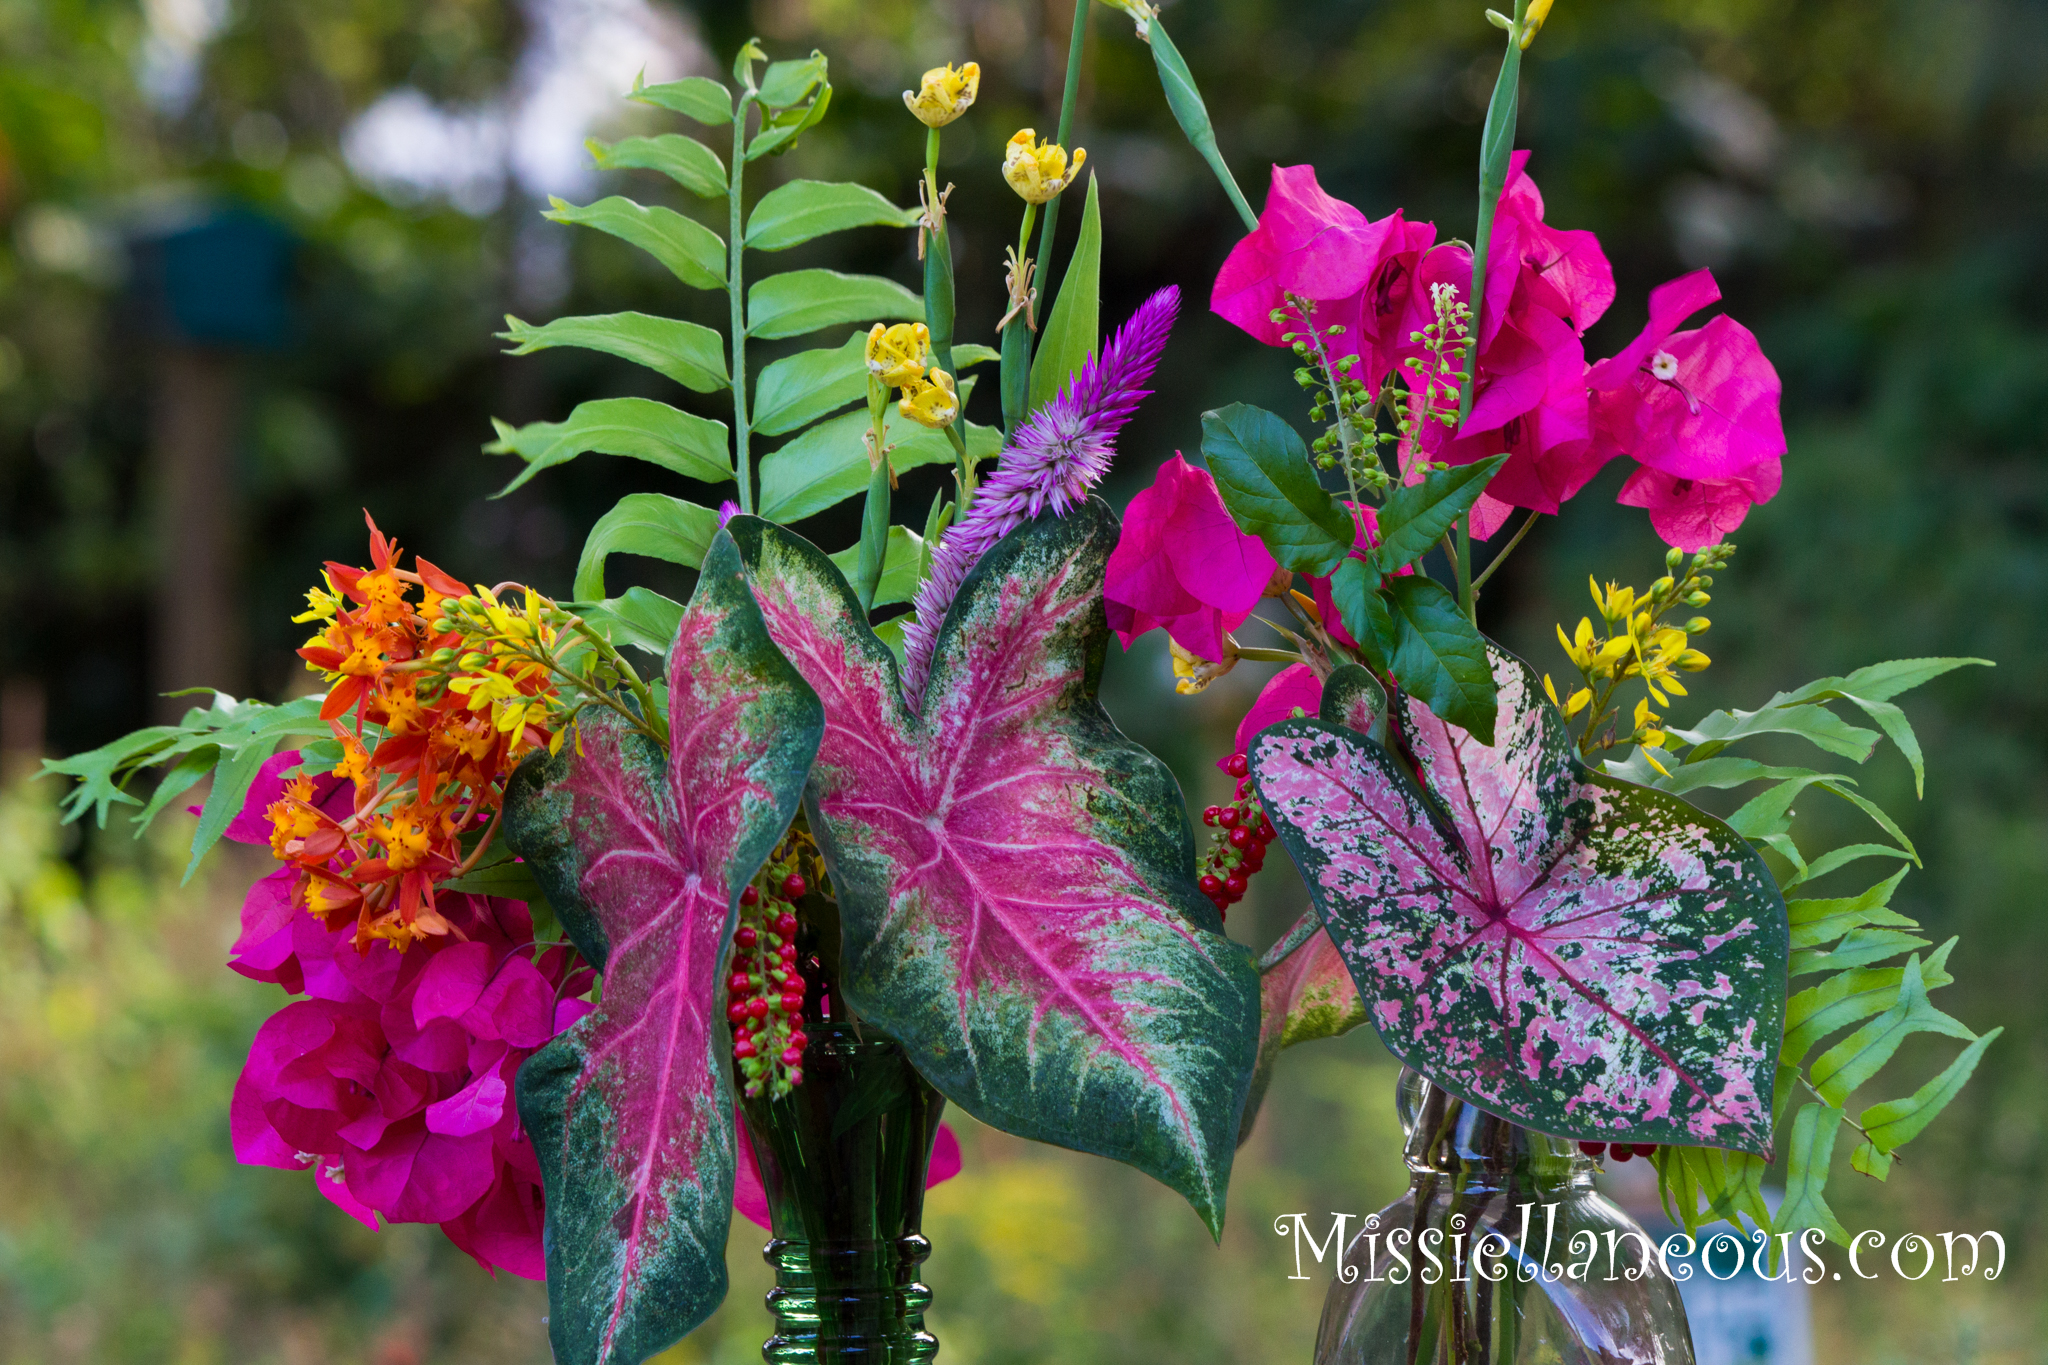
[556, 916]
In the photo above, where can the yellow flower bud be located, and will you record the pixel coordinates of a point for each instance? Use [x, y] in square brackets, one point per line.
[1578, 702]
[1192, 673]
[1532, 22]
[932, 402]
[898, 355]
[944, 94]
[1038, 172]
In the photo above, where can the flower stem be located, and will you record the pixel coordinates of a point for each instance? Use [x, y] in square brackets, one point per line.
[1077, 39]
[1505, 551]
[736, 296]
[1496, 146]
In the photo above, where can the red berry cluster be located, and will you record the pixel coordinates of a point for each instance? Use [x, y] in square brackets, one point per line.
[1238, 847]
[1620, 1151]
[765, 991]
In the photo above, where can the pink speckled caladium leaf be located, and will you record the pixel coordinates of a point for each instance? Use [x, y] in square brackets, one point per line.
[644, 855]
[1015, 877]
[1587, 957]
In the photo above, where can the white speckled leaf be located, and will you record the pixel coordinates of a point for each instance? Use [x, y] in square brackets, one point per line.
[1588, 957]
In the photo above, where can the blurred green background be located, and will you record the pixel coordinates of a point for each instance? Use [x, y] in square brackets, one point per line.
[1867, 180]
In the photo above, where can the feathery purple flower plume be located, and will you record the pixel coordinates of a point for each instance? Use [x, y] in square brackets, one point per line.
[1057, 455]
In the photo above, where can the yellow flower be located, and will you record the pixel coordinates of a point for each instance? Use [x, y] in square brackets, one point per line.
[944, 94]
[1532, 22]
[898, 355]
[320, 606]
[1647, 734]
[1039, 172]
[933, 402]
[1192, 673]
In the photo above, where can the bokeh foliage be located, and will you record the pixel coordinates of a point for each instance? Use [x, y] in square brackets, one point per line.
[1870, 183]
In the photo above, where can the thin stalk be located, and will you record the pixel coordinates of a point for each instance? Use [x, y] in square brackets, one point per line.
[736, 293]
[1505, 551]
[939, 307]
[1468, 600]
[1077, 40]
[1496, 145]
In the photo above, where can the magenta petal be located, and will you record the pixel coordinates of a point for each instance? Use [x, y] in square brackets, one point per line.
[251, 824]
[568, 1012]
[1293, 686]
[448, 1175]
[1720, 415]
[945, 1162]
[337, 1193]
[453, 979]
[378, 1175]
[255, 1142]
[1692, 514]
[1671, 303]
[517, 1006]
[1221, 565]
[471, 1109]
[749, 1196]
[1244, 292]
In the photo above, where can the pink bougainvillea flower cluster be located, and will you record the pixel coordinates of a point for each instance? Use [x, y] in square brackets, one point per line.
[393, 1079]
[1182, 565]
[1697, 411]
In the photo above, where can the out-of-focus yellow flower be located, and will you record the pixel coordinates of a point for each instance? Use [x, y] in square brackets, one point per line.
[1532, 22]
[1192, 672]
[898, 355]
[1039, 171]
[944, 94]
[932, 402]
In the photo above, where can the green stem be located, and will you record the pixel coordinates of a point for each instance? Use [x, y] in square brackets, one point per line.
[939, 310]
[1505, 551]
[1468, 599]
[1193, 116]
[1016, 343]
[1496, 146]
[1048, 280]
[735, 292]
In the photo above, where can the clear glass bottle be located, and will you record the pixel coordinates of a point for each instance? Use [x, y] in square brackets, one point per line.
[843, 1159]
[1521, 1262]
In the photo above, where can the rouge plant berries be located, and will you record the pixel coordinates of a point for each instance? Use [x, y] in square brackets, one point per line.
[765, 990]
[1237, 849]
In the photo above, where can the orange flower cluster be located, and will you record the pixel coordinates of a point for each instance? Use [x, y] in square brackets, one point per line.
[420, 739]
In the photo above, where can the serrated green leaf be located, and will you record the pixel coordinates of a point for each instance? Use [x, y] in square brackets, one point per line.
[1851, 996]
[1440, 656]
[1722, 773]
[639, 617]
[1417, 515]
[1263, 472]
[692, 252]
[1837, 1072]
[802, 301]
[684, 160]
[179, 780]
[1074, 330]
[1894, 1123]
[1813, 723]
[638, 428]
[1815, 922]
[828, 464]
[803, 209]
[1812, 1146]
[1873, 1163]
[799, 389]
[787, 83]
[691, 355]
[651, 524]
[901, 564]
[697, 97]
[101, 772]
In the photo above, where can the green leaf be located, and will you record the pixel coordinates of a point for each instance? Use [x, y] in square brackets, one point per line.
[799, 389]
[1841, 857]
[828, 464]
[1417, 515]
[1262, 470]
[691, 355]
[890, 633]
[1851, 996]
[1721, 774]
[179, 780]
[651, 524]
[1873, 1163]
[692, 252]
[1815, 922]
[971, 353]
[779, 132]
[1073, 331]
[1881, 682]
[1806, 1174]
[1848, 1064]
[787, 83]
[1440, 656]
[510, 879]
[1193, 115]
[639, 617]
[803, 209]
[1711, 1184]
[1899, 730]
[1355, 591]
[802, 301]
[684, 160]
[101, 772]
[1813, 723]
[1894, 1123]
[639, 428]
[1770, 812]
[901, 565]
[696, 97]
[245, 746]
[1858, 948]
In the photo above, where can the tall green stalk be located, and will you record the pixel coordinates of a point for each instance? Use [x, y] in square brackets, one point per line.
[735, 289]
[1048, 277]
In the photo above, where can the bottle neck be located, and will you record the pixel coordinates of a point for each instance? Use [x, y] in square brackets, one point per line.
[1453, 1141]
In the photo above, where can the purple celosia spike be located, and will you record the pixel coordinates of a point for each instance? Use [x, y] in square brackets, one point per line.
[727, 510]
[1057, 455]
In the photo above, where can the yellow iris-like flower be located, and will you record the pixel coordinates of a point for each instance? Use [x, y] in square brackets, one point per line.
[1039, 171]
[1532, 22]
[931, 402]
[1192, 672]
[898, 355]
[944, 94]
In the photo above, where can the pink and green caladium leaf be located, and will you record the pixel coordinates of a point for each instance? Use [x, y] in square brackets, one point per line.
[1587, 957]
[1015, 877]
[644, 856]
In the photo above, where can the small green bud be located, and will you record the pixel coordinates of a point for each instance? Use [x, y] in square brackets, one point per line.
[1697, 599]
